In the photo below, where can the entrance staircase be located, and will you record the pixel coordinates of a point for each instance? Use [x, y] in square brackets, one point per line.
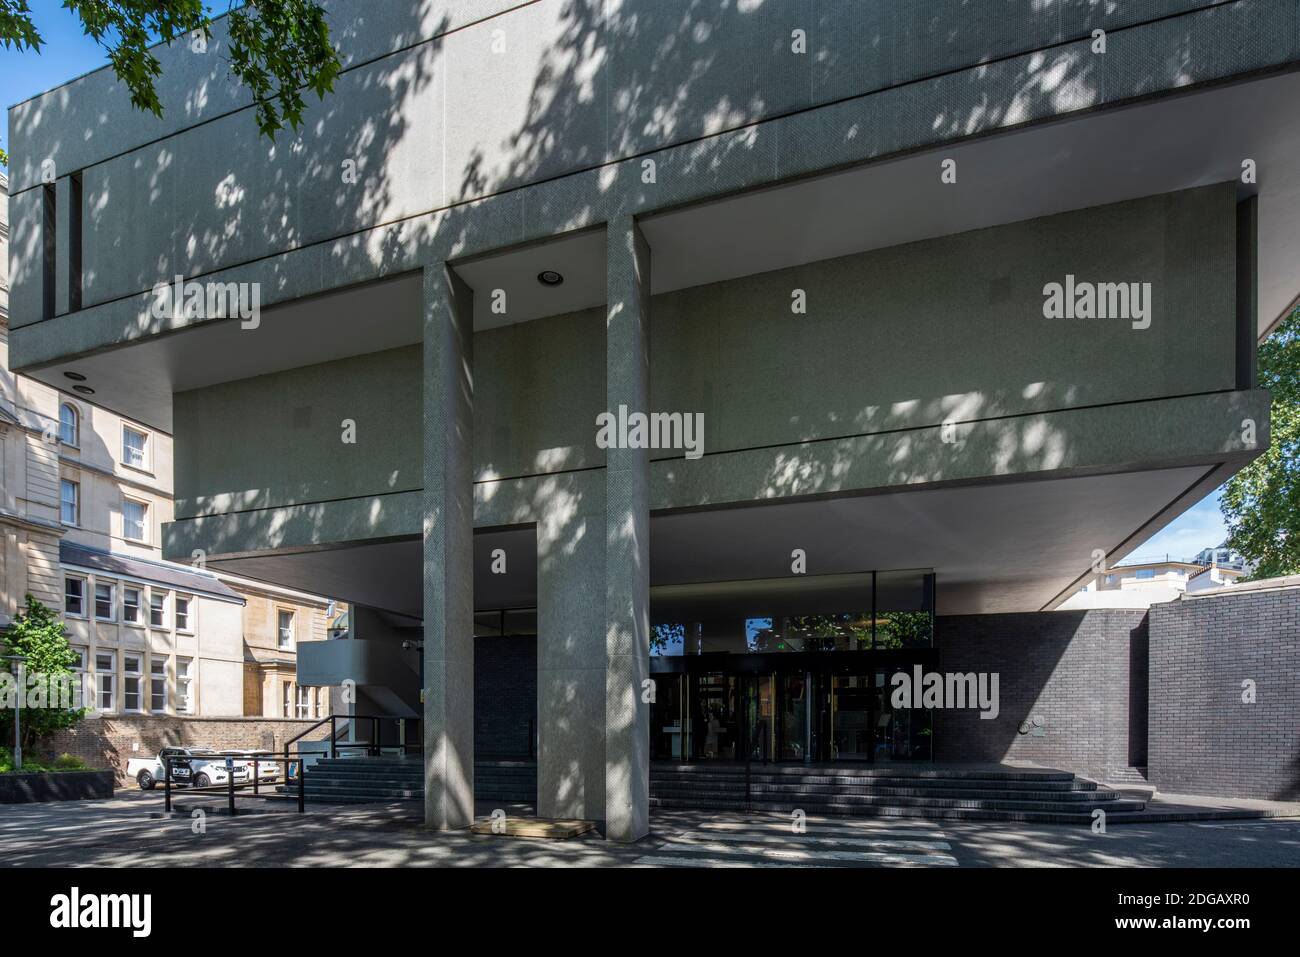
[365, 780]
[373, 780]
[936, 792]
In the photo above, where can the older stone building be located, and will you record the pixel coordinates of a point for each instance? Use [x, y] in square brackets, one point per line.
[275, 622]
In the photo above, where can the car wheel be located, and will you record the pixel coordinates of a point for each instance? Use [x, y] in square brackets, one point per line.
[202, 780]
[145, 780]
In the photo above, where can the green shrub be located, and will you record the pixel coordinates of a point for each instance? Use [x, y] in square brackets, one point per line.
[69, 762]
[64, 762]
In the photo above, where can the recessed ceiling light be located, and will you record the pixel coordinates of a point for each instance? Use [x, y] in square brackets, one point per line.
[549, 277]
[75, 376]
[83, 389]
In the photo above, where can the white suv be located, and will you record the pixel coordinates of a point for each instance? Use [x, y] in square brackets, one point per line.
[196, 767]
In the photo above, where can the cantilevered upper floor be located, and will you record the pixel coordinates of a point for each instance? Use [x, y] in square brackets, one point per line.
[852, 215]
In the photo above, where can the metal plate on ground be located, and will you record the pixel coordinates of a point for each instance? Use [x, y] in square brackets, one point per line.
[533, 827]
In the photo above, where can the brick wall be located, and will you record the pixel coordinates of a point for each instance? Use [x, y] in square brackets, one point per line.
[1071, 669]
[109, 742]
[505, 695]
[1203, 738]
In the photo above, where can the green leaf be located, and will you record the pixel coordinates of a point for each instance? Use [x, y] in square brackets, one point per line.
[37, 633]
[277, 48]
[1261, 503]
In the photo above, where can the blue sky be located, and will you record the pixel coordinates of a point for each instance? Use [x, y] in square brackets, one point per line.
[68, 53]
[1199, 527]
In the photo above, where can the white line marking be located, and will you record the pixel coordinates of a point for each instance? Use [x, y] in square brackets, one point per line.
[812, 856]
[892, 843]
[710, 862]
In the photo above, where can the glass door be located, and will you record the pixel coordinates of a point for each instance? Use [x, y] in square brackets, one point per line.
[669, 722]
[716, 710]
[795, 707]
[760, 717]
[850, 718]
[901, 734]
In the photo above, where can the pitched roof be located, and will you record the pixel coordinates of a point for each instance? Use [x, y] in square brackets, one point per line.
[171, 574]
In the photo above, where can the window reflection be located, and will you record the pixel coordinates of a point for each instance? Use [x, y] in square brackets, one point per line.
[884, 611]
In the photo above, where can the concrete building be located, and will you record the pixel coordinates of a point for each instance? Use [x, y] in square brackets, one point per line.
[86, 493]
[932, 309]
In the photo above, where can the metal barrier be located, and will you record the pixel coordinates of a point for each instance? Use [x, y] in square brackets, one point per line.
[231, 787]
[372, 747]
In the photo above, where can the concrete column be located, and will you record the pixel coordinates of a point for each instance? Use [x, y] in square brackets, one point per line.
[627, 540]
[571, 648]
[448, 550]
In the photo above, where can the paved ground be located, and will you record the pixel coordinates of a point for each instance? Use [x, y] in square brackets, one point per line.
[126, 832]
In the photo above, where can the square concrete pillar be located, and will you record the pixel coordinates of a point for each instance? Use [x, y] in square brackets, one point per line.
[627, 540]
[571, 649]
[448, 550]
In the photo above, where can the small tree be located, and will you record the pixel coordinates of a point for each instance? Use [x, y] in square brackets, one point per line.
[37, 634]
[1261, 503]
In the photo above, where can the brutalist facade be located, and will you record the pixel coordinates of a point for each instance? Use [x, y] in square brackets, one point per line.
[936, 308]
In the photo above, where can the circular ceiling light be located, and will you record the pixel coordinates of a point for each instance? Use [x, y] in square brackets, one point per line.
[549, 277]
[75, 376]
[83, 389]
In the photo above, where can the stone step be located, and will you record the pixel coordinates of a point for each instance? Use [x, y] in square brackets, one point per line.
[321, 795]
[821, 801]
[365, 775]
[355, 799]
[311, 786]
[798, 790]
[858, 770]
[918, 783]
[1069, 816]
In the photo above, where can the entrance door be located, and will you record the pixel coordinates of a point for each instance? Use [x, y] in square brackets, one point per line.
[716, 707]
[795, 717]
[902, 734]
[761, 718]
[850, 718]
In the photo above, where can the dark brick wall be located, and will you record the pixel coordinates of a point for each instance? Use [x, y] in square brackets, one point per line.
[1070, 668]
[1203, 739]
[505, 696]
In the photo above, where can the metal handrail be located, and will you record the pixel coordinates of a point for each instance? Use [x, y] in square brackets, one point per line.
[372, 747]
[230, 780]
